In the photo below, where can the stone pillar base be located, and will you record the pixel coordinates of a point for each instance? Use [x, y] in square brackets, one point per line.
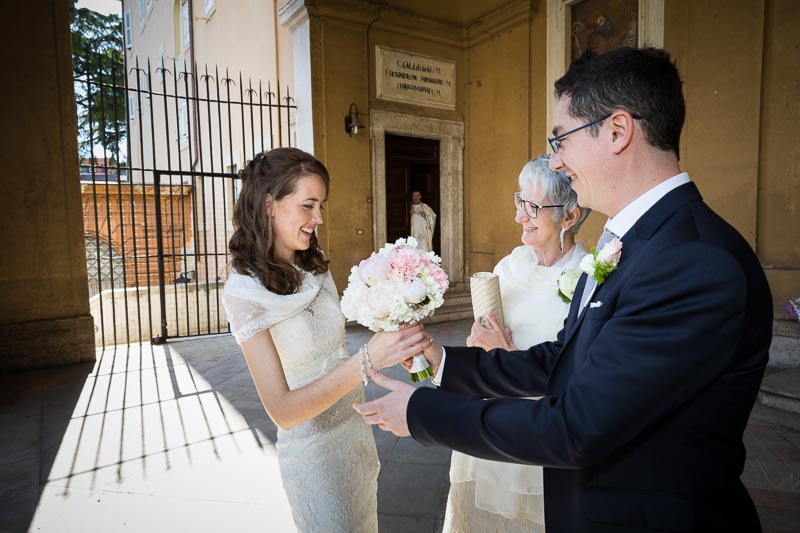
[46, 343]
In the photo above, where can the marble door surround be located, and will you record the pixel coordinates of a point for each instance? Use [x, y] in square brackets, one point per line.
[450, 135]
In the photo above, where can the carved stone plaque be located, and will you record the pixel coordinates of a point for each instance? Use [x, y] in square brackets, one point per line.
[414, 78]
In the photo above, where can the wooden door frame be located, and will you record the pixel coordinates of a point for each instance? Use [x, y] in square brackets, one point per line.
[399, 154]
[450, 135]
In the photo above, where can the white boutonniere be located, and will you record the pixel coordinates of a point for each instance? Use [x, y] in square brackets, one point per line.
[601, 264]
[567, 282]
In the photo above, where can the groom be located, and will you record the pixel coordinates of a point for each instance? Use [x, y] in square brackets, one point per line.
[649, 386]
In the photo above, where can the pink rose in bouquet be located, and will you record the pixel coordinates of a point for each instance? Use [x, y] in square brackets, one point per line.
[439, 276]
[406, 262]
[374, 269]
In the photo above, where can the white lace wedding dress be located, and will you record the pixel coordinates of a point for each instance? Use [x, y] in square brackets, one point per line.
[495, 496]
[329, 464]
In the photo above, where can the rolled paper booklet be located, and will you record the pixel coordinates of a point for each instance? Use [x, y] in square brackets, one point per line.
[484, 288]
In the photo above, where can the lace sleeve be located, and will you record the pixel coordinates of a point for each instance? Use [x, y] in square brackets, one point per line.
[245, 317]
[252, 308]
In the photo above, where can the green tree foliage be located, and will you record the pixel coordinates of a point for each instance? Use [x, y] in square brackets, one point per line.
[98, 66]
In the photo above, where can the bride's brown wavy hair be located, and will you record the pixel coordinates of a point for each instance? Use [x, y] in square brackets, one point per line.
[252, 244]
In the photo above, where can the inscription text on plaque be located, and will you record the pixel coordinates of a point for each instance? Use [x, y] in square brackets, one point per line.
[414, 78]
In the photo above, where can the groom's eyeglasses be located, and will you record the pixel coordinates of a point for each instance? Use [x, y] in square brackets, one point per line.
[555, 142]
[531, 208]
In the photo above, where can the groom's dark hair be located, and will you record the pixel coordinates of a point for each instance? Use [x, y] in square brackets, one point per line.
[642, 81]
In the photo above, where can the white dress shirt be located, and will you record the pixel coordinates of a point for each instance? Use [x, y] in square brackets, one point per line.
[631, 213]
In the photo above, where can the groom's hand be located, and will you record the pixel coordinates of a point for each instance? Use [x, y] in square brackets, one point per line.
[388, 412]
[433, 353]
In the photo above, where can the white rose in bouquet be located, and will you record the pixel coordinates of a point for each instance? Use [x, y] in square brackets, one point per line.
[358, 293]
[414, 290]
[379, 298]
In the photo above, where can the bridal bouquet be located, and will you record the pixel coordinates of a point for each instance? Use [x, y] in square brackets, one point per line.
[398, 284]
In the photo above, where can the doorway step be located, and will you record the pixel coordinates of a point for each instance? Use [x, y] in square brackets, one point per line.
[781, 390]
[780, 387]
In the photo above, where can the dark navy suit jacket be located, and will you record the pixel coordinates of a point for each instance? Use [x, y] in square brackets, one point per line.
[646, 396]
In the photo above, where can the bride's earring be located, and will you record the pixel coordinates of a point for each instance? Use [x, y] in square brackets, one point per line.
[561, 239]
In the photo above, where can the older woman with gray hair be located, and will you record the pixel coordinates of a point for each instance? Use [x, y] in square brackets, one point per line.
[536, 284]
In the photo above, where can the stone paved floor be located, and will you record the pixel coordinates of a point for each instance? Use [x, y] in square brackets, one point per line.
[174, 438]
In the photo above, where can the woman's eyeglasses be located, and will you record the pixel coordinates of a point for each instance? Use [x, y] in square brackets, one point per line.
[531, 208]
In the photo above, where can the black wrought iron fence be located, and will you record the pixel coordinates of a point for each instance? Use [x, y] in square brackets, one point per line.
[161, 149]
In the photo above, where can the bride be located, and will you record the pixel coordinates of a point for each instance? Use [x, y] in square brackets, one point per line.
[283, 310]
[488, 495]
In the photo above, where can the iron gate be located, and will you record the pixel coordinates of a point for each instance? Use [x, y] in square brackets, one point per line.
[159, 176]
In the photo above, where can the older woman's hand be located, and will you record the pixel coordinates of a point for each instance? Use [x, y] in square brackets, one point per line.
[491, 336]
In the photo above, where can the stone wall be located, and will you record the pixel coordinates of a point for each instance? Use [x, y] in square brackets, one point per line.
[124, 216]
[133, 315]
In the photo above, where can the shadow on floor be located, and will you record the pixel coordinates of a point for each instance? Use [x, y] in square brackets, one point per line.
[174, 438]
[35, 411]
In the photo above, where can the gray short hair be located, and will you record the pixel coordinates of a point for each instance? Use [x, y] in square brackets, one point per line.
[554, 187]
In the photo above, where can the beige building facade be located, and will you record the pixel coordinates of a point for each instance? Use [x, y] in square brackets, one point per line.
[741, 143]
[206, 110]
[224, 40]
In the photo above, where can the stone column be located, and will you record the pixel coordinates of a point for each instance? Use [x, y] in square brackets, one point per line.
[331, 72]
[294, 16]
[44, 308]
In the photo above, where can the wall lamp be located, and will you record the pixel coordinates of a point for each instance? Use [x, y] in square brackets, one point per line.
[351, 122]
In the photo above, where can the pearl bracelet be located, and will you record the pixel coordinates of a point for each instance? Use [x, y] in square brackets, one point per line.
[366, 364]
[368, 360]
[364, 377]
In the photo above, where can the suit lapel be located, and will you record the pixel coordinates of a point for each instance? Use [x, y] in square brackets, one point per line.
[575, 317]
[632, 241]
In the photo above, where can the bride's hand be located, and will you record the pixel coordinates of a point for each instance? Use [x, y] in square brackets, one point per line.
[387, 349]
[492, 336]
